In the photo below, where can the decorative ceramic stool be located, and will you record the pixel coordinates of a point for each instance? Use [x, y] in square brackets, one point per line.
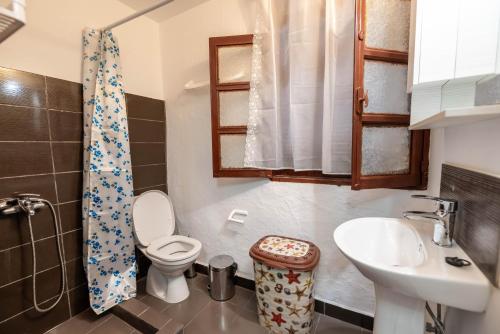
[284, 282]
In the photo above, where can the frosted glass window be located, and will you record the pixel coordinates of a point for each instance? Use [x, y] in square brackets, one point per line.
[235, 63]
[386, 86]
[385, 150]
[388, 24]
[233, 106]
[232, 148]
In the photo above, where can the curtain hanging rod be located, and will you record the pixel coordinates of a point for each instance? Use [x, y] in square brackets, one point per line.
[136, 15]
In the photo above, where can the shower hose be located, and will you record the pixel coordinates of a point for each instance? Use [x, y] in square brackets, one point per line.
[57, 225]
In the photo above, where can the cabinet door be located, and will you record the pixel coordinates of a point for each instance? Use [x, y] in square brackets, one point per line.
[438, 39]
[477, 42]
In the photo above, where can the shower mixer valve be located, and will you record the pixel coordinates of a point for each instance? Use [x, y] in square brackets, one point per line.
[24, 202]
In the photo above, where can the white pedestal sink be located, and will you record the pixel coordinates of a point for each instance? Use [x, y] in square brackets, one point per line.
[407, 268]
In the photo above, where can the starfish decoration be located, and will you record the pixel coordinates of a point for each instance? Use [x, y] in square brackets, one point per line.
[293, 310]
[278, 319]
[268, 324]
[299, 293]
[309, 282]
[308, 308]
[289, 246]
[259, 280]
[262, 272]
[291, 330]
[292, 277]
[263, 313]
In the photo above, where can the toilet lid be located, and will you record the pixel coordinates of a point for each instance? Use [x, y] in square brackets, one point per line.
[153, 215]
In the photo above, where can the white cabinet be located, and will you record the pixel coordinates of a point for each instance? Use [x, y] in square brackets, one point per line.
[456, 45]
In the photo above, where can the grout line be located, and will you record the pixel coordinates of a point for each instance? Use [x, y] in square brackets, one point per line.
[37, 273]
[26, 175]
[59, 238]
[197, 314]
[64, 110]
[68, 172]
[22, 106]
[28, 243]
[26, 310]
[145, 119]
[103, 322]
[41, 141]
[69, 202]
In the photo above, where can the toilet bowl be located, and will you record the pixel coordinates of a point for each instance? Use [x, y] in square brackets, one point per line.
[171, 255]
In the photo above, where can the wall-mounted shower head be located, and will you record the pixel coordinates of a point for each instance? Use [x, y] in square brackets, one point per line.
[11, 19]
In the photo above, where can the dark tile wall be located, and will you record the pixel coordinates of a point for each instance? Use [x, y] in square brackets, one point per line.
[41, 152]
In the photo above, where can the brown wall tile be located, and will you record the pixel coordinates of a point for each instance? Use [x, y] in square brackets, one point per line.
[75, 273]
[71, 216]
[21, 88]
[79, 299]
[64, 95]
[33, 322]
[23, 124]
[18, 295]
[16, 263]
[68, 157]
[14, 228]
[146, 131]
[66, 126]
[147, 153]
[145, 107]
[73, 245]
[39, 184]
[148, 176]
[25, 159]
[139, 191]
[69, 186]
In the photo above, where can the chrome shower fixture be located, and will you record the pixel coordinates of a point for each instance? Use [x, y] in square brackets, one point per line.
[11, 19]
[30, 204]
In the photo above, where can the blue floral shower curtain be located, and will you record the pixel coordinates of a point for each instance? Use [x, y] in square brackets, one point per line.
[108, 248]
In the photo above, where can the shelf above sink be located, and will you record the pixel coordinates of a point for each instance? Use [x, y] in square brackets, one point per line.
[458, 116]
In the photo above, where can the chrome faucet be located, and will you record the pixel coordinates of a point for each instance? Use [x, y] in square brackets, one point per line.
[444, 218]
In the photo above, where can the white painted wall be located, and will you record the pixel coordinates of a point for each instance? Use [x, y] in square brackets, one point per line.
[50, 43]
[475, 146]
[202, 203]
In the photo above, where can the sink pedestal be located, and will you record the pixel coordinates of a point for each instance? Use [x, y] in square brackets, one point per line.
[396, 313]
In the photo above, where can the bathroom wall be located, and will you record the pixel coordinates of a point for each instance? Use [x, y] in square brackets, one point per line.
[473, 146]
[41, 152]
[50, 43]
[202, 203]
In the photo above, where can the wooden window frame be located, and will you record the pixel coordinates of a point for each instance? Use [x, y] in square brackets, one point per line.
[217, 130]
[419, 146]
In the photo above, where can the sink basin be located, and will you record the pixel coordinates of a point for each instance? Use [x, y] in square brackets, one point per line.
[407, 268]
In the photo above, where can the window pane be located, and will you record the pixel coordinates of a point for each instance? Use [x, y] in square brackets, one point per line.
[386, 87]
[385, 150]
[232, 148]
[233, 106]
[388, 24]
[235, 63]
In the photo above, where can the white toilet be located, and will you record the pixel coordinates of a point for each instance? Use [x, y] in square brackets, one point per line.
[171, 255]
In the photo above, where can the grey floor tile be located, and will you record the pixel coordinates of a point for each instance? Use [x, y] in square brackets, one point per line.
[246, 322]
[242, 297]
[156, 303]
[82, 323]
[329, 325]
[200, 282]
[155, 318]
[187, 309]
[113, 325]
[215, 318]
[134, 306]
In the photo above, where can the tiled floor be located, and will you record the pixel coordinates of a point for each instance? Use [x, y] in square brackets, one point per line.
[201, 314]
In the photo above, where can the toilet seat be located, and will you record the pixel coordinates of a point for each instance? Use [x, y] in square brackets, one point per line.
[173, 248]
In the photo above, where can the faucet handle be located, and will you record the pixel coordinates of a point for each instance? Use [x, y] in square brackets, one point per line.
[447, 205]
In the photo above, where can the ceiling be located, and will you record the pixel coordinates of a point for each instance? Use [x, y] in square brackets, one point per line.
[163, 13]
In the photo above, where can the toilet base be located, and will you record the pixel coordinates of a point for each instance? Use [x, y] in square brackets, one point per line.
[170, 289]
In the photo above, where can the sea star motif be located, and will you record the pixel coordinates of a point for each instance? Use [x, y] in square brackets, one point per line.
[278, 319]
[262, 272]
[293, 310]
[292, 277]
[309, 282]
[299, 293]
[308, 308]
[289, 246]
[291, 330]
[263, 313]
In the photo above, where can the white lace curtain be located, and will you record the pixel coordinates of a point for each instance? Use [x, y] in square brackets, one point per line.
[301, 86]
